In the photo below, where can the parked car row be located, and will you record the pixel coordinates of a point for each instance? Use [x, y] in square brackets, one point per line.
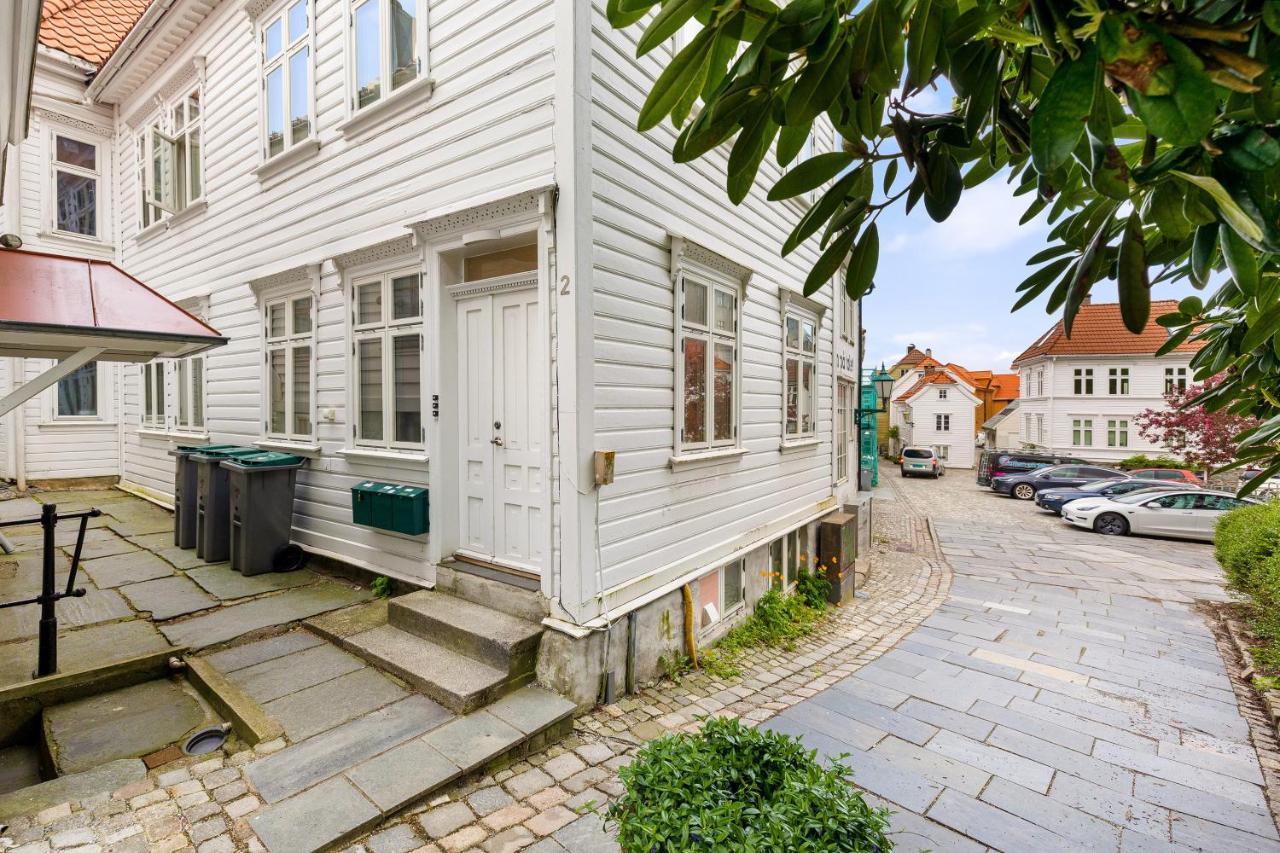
[1156, 501]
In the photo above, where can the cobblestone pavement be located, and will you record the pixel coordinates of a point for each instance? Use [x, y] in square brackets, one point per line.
[1066, 696]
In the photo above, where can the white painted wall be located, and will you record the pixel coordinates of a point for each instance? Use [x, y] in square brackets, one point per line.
[959, 405]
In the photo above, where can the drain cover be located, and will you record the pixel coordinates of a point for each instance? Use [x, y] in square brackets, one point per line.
[205, 741]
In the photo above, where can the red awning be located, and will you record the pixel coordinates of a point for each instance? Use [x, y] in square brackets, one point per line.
[53, 307]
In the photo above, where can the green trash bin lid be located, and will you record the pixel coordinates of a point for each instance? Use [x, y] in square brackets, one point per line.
[264, 460]
[224, 451]
[187, 449]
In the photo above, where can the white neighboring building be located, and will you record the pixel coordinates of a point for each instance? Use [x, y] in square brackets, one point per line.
[1082, 395]
[1003, 430]
[444, 257]
[937, 410]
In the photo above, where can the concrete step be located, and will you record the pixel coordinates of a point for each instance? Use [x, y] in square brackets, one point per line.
[19, 767]
[453, 578]
[458, 682]
[494, 638]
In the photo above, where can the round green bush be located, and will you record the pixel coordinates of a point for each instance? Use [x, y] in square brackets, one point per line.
[732, 788]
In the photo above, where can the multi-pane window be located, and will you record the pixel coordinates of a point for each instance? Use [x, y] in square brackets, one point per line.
[286, 82]
[1118, 380]
[844, 429]
[1082, 432]
[800, 365]
[1117, 433]
[187, 375]
[170, 160]
[289, 327]
[848, 318]
[1084, 380]
[943, 451]
[386, 315]
[1175, 380]
[709, 364]
[942, 423]
[153, 395]
[1040, 383]
[78, 393]
[721, 592]
[173, 394]
[1039, 429]
[789, 555]
[384, 37]
[76, 180]
[942, 393]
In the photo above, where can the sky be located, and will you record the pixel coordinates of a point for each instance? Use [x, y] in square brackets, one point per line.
[949, 286]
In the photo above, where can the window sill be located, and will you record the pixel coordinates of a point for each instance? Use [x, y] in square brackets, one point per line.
[698, 457]
[299, 152]
[397, 102]
[189, 212]
[81, 241]
[173, 435]
[799, 443]
[70, 425]
[364, 454]
[147, 234]
[297, 448]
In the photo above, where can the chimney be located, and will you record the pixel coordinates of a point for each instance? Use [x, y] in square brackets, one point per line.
[929, 352]
[910, 347]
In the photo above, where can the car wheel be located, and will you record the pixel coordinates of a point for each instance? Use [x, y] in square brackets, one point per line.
[903, 471]
[1024, 492]
[1111, 524]
[935, 475]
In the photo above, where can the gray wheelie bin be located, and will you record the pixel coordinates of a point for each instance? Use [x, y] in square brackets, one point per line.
[261, 500]
[185, 485]
[213, 508]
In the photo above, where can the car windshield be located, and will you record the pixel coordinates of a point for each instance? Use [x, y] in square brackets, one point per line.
[1096, 485]
[911, 453]
[1139, 496]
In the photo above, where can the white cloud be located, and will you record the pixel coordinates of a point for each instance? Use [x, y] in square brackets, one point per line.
[968, 344]
[985, 221]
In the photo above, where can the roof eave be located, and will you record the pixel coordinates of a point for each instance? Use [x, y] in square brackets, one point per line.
[128, 46]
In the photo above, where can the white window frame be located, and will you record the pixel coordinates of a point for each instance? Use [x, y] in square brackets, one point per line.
[1175, 380]
[1039, 429]
[1081, 429]
[100, 174]
[1117, 429]
[1118, 381]
[190, 387]
[105, 399]
[1082, 382]
[155, 204]
[942, 393]
[280, 12]
[802, 357]
[708, 334]
[1040, 382]
[792, 556]
[385, 331]
[846, 394]
[942, 423]
[848, 316]
[153, 396]
[385, 92]
[724, 612]
[942, 451]
[288, 344]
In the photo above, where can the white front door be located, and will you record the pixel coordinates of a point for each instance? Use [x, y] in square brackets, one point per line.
[502, 427]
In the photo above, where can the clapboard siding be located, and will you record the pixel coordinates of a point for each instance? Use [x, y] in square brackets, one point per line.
[484, 132]
[653, 516]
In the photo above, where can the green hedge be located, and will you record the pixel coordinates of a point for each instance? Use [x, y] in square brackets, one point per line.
[1247, 544]
[1140, 461]
[731, 788]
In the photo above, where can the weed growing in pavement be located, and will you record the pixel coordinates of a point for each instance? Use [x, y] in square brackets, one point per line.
[381, 586]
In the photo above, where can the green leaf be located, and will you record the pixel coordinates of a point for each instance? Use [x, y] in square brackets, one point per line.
[1108, 171]
[819, 213]
[1241, 260]
[1185, 115]
[1265, 326]
[747, 152]
[1174, 341]
[1163, 209]
[829, 262]
[942, 193]
[1227, 206]
[791, 140]
[818, 85]
[685, 70]
[923, 41]
[811, 174]
[1254, 151]
[624, 13]
[1061, 113]
[1043, 277]
[890, 174]
[673, 15]
[1131, 275]
[863, 263]
[1203, 249]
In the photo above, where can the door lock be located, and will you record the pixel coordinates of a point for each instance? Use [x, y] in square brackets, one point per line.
[496, 441]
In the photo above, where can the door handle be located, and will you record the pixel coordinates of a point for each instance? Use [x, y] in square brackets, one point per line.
[496, 441]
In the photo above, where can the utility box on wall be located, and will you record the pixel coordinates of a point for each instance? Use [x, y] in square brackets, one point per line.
[837, 552]
[388, 506]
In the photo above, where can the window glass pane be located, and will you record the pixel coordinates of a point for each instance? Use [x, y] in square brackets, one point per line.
[368, 54]
[297, 20]
[299, 95]
[726, 312]
[148, 395]
[275, 320]
[193, 106]
[273, 39]
[369, 302]
[184, 392]
[806, 392]
[179, 117]
[197, 392]
[793, 557]
[518, 259]
[275, 390]
[196, 184]
[404, 42]
[77, 206]
[723, 411]
[302, 391]
[793, 396]
[407, 364]
[793, 333]
[404, 297]
[302, 315]
[369, 356]
[733, 586]
[695, 303]
[695, 390]
[810, 337]
[78, 392]
[73, 152]
[275, 111]
[775, 563]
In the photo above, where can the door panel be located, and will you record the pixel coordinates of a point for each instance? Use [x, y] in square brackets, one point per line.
[475, 427]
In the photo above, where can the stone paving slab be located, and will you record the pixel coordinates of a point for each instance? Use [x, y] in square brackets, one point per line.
[83, 648]
[134, 567]
[96, 606]
[257, 651]
[220, 580]
[323, 706]
[332, 810]
[165, 598]
[282, 676]
[238, 619]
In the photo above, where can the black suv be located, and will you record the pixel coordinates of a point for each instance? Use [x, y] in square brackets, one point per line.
[1024, 486]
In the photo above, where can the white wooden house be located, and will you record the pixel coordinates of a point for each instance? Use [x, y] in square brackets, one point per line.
[445, 257]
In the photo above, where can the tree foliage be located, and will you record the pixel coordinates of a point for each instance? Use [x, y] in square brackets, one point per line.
[1202, 438]
[1145, 132]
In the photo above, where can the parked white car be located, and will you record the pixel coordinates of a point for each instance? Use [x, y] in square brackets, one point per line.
[1182, 513]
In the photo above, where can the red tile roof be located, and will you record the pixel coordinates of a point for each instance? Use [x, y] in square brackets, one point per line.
[88, 29]
[1006, 385]
[1099, 330]
[927, 379]
[912, 358]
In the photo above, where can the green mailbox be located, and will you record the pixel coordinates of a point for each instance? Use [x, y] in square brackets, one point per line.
[389, 506]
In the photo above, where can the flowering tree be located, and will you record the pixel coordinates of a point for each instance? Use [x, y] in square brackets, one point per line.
[1203, 438]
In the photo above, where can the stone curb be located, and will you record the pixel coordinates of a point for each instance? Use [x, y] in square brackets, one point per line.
[1270, 697]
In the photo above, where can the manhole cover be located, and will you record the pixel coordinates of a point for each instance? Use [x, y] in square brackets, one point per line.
[205, 741]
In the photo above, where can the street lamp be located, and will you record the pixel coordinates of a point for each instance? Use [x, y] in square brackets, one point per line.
[883, 384]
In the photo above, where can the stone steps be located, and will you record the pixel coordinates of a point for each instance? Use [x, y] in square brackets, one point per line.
[502, 641]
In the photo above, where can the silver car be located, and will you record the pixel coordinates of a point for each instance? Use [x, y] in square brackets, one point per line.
[921, 462]
[1183, 513]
